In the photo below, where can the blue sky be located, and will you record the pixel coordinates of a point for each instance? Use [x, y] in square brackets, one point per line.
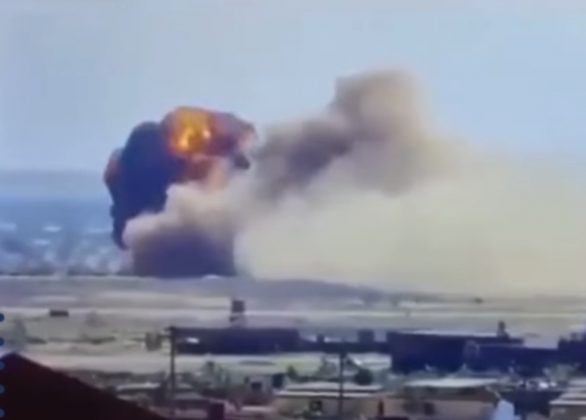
[75, 76]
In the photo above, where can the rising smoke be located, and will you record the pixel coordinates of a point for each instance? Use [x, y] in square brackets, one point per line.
[165, 184]
[369, 192]
[373, 133]
[193, 236]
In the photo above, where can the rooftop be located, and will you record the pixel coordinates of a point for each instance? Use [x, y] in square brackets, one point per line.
[578, 382]
[569, 402]
[452, 383]
[454, 333]
[145, 386]
[324, 387]
[328, 394]
[62, 396]
[573, 395]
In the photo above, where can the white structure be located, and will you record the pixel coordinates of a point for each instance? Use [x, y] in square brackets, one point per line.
[429, 399]
[445, 399]
[571, 405]
[323, 398]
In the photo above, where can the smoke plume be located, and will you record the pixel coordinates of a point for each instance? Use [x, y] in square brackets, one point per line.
[193, 236]
[167, 235]
[373, 133]
[369, 191]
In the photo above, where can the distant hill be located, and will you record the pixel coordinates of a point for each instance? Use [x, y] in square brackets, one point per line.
[51, 184]
[287, 290]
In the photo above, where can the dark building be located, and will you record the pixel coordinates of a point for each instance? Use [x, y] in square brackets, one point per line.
[525, 360]
[572, 350]
[444, 351]
[35, 392]
[236, 340]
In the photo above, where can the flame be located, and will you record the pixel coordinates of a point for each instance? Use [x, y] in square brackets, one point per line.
[206, 141]
[190, 131]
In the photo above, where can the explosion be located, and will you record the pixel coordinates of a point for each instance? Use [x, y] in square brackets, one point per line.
[205, 140]
[190, 145]
[365, 191]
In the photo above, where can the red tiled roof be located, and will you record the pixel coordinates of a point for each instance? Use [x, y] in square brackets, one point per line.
[35, 392]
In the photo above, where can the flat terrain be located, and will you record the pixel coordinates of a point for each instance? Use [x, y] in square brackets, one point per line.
[110, 316]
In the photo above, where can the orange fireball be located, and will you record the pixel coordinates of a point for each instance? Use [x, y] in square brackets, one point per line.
[189, 131]
[206, 141]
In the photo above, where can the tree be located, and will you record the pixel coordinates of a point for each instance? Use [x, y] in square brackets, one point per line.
[292, 373]
[364, 377]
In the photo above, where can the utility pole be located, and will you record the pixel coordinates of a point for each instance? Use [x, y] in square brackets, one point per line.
[172, 372]
[524, 399]
[342, 363]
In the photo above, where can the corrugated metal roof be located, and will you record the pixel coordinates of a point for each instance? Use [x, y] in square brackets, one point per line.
[451, 383]
[573, 396]
[452, 333]
[578, 382]
[333, 386]
[323, 394]
[565, 403]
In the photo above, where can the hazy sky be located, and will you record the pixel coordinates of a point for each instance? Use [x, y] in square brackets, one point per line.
[75, 76]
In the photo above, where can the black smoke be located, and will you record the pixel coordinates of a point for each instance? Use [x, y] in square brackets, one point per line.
[138, 178]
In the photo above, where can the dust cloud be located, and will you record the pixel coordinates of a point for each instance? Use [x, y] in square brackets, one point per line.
[371, 192]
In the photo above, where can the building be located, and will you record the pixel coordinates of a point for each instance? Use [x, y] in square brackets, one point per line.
[324, 398]
[444, 398]
[36, 392]
[571, 404]
[432, 399]
[446, 351]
